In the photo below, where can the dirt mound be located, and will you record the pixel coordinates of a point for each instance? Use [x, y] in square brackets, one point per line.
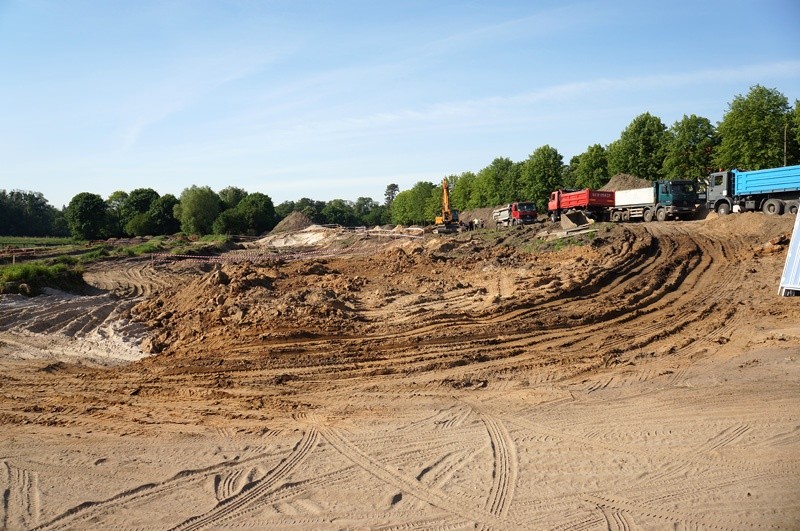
[624, 181]
[483, 214]
[293, 222]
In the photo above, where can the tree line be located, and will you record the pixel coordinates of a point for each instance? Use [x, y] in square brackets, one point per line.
[759, 130]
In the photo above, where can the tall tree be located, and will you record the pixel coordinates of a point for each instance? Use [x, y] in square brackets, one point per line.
[86, 216]
[591, 168]
[197, 210]
[752, 131]
[690, 149]
[640, 149]
[115, 204]
[391, 192]
[542, 173]
[497, 183]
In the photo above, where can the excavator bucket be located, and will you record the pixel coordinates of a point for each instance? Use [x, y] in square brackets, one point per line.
[572, 220]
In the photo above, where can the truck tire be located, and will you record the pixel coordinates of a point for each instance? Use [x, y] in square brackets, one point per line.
[773, 207]
[616, 217]
[661, 214]
[791, 208]
[554, 217]
[648, 215]
[723, 209]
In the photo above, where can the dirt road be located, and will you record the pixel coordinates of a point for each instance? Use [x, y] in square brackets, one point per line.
[646, 380]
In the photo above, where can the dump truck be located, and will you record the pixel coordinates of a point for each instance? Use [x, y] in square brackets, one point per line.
[593, 203]
[663, 200]
[773, 191]
[518, 213]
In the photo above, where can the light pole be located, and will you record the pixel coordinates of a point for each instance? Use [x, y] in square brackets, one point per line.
[785, 130]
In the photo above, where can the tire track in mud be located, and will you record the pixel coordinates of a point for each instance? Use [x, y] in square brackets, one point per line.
[146, 493]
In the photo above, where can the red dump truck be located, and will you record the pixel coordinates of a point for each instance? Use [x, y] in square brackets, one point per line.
[593, 203]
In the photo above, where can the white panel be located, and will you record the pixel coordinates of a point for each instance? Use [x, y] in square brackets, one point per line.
[790, 280]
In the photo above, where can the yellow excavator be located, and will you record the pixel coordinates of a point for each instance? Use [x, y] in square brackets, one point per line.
[448, 221]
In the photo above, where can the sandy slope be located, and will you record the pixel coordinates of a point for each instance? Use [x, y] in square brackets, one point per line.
[647, 380]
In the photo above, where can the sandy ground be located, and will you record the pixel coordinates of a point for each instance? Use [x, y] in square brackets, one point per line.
[647, 380]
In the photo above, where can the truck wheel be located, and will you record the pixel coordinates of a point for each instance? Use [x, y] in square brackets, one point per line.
[553, 217]
[723, 209]
[661, 214]
[648, 215]
[791, 208]
[616, 217]
[773, 207]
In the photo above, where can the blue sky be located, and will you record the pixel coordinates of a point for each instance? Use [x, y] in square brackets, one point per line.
[338, 99]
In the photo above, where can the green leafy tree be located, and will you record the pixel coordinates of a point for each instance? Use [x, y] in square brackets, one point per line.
[25, 213]
[640, 149]
[362, 208]
[229, 222]
[197, 210]
[379, 215]
[162, 217]
[753, 129]
[86, 216]
[311, 208]
[408, 207]
[340, 212]
[497, 183]
[591, 170]
[253, 215]
[690, 150]
[115, 204]
[231, 196]
[461, 194]
[258, 212]
[138, 202]
[541, 174]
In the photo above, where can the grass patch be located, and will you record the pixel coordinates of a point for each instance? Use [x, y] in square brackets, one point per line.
[30, 278]
[30, 241]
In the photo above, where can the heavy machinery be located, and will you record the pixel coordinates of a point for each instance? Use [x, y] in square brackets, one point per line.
[593, 203]
[773, 191]
[663, 200]
[518, 213]
[448, 221]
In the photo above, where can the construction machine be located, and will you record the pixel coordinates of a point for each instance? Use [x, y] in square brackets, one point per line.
[448, 221]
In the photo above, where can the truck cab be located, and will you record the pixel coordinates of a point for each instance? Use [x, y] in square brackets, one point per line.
[675, 198]
[719, 192]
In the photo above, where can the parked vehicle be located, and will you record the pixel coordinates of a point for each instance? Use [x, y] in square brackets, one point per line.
[593, 203]
[519, 213]
[663, 200]
[773, 191]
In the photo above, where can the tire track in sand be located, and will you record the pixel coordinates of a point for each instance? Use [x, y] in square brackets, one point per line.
[248, 498]
[21, 501]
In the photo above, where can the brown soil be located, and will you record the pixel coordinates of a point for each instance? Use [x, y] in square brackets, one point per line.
[624, 181]
[646, 379]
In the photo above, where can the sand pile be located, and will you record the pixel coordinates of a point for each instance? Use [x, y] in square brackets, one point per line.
[624, 181]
